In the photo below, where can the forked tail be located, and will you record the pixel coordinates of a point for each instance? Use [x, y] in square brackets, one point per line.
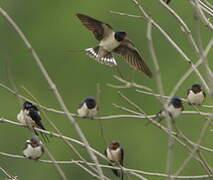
[101, 55]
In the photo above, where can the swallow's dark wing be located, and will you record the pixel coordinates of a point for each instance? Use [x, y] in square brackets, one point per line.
[167, 1]
[81, 104]
[122, 157]
[42, 149]
[105, 152]
[99, 29]
[182, 107]
[204, 93]
[33, 113]
[130, 53]
[188, 91]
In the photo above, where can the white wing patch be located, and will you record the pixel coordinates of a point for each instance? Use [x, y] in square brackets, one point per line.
[104, 60]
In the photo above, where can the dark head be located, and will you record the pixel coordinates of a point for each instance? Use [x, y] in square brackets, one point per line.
[27, 105]
[34, 141]
[176, 101]
[120, 35]
[90, 102]
[114, 145]
[196, 88]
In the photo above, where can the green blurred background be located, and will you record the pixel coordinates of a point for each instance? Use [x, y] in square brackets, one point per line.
[53, 30]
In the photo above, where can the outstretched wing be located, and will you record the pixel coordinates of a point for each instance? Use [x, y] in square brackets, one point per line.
[130, 53]
[99, 29]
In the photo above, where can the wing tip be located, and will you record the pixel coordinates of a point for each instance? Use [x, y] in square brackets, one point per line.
[108, 60]
[149, 74]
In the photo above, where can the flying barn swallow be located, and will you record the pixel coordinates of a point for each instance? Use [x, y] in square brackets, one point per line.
[30, 113]
[173, 109]
[196, 95]
[115, 154]
[33, 148]
[112, 42]
[88, 107]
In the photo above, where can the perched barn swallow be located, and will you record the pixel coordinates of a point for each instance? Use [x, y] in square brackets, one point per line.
[115, 154]
[30, 113]
[88, 107]
[173, 109]
[33, 148]
[196, 95]
[112, 41]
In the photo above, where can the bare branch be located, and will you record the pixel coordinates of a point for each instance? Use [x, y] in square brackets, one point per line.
[52, 87]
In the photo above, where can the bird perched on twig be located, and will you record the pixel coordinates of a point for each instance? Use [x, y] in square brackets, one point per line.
[196, 95]
[30, 114]
[173, 109]
[33, 148]
[112, 42]
[88, 107]
[115, 154]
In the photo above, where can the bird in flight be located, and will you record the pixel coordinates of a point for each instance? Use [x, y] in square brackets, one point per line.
[112, 42]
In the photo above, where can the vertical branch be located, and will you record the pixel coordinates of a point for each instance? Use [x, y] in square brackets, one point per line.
[58, 168]
[186, 58]
[188, 73]
[200, 139]
[155, 60]
[201, 15]
[161, 92]
[53, 88]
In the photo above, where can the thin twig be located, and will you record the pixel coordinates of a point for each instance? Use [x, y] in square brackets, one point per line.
[112, 167]
[8, 175]
[52, 87]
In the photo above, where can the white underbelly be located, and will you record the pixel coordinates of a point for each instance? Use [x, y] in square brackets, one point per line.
[113, 155]
[33, 153]
[23, 117]
[175, 112]
[196, 99]
[109, 43]
[84, 111]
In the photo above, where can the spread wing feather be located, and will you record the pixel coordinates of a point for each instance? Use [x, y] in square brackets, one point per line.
[99, 29]
[130, 53]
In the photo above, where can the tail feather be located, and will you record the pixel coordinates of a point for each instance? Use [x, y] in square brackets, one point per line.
[101, 55]
[117, 172]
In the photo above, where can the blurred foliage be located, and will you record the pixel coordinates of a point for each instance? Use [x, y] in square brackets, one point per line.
[53, 30]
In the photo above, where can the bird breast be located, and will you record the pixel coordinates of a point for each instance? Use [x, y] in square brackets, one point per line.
[175, 112]
[83, 111]
[109, 43]
[31, 152]
[196, 99]
[113, 155]
[22, 116]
